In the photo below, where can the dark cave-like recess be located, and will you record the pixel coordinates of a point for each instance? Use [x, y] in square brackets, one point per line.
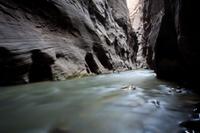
[40, 69]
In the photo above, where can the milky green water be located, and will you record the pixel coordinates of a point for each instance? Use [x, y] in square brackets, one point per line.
[96, 105]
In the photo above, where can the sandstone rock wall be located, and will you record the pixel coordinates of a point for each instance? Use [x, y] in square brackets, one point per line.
[55, 39]
[137, 22]
[146, 16]
[172, 36]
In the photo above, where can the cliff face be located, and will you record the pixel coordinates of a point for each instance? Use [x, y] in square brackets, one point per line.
[136, 15]
[153, 12]
[171, 33]
[55, 39]
[146, 16]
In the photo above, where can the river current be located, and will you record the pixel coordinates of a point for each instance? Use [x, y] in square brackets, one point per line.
[126, 102]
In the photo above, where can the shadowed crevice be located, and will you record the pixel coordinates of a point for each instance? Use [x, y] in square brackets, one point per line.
[41, 67]
[92, 63]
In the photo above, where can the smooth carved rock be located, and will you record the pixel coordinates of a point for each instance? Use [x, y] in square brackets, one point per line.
[67, 31]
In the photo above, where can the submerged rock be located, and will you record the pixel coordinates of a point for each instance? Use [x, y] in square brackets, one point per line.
[155, 102]
[129, 87]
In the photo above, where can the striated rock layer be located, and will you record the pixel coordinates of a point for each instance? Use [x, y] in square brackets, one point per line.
[55, 39]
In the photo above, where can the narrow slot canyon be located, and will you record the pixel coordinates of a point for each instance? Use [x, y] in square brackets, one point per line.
[103, 66]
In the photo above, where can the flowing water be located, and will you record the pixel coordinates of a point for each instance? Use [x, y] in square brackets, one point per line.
[96, 104]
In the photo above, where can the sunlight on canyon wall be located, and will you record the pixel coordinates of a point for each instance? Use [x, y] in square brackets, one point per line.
[132, 3]
[136, 16]
[135, 12]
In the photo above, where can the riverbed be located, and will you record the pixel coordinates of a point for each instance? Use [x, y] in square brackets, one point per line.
[126, 102]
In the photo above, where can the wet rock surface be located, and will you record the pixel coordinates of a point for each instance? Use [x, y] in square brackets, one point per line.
[67, 31]
[193, 124]
[129, 87]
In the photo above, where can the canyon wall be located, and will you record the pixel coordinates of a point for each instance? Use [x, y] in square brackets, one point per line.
[171, 30]
[57, 39]
[136, 15]
[146, 17]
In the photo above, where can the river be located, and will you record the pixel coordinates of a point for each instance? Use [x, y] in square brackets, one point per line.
[96, 104]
